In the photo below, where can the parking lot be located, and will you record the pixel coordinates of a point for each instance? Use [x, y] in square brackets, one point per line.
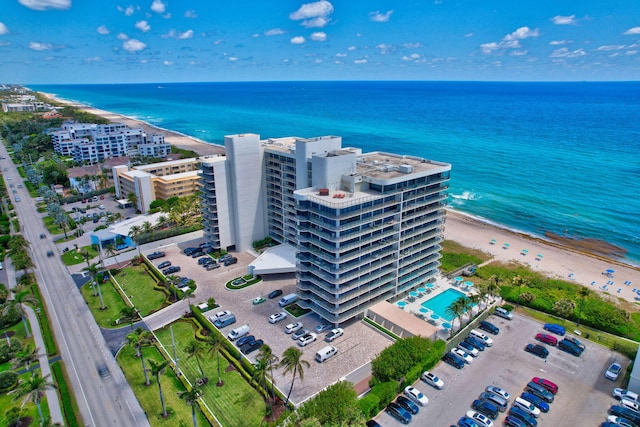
[584, 394]
[359, 344]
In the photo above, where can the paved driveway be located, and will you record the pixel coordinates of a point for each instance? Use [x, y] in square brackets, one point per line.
[356, 347]
[584, 394]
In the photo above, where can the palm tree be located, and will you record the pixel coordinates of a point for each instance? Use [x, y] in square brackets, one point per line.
[129, 314]
[133, 199]
[86, 256]
[266, 353]
[138, 339]
[21, 296]
[134, 232]
[26, 357]
[292, 362]
[17, 244]
[62, 220]
[33, 390]
[583, 293]
[191, 397]
[171, 282]
[216, 344]
[156, 370]
[196, 350]
[471, 301]
[94, 270]
[187, 295]
[456, 309]
[111, 251]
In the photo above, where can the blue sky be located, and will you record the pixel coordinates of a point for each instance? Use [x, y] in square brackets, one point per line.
[105, 41]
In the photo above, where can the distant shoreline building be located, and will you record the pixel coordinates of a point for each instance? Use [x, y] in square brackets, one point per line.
[365, 226]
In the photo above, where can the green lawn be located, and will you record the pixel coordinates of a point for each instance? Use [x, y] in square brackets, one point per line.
[138, 285]
[149, 396]
[112, 301]
[234, 404]
[7, 402]
[73, 257]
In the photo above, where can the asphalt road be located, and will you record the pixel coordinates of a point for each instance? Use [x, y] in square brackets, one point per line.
[101, 402]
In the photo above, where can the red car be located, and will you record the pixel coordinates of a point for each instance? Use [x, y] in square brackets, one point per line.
[84, 200]
[552, 387]
[547, 339]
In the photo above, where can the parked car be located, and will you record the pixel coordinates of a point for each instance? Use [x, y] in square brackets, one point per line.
[555, 329]
[621, 421]
[527, 406]
[171, 270]
[189, 251]
[453, 360]
[623, 412]
[512, 421]
[432, 379]
[205, 260]
[247, 338]
[540, 391]
[613, 371]
[499, 391]
[469, 348]
[302, 332]
[476, 343]
[620, 393]
[540, 404]
[486, 407]
[307, 339]
[538, 350]
[416, 395]
[489, 327]
[230, 261]
[212, 266]
[334, 334]
[258, 300]
[252, 346]
[277, 317]
[462, 355]
[292, 327]
[408, 404]
[372, 423]
[569, 347]
[467, 422]
[498, 401]
[323, 327]
[218, 315]
[275, 294]
[549, 385]
[631, 404]
[528, 419]
[575, 342]
[481, 419]
[547, 339]
[164, 264]
[399, 413]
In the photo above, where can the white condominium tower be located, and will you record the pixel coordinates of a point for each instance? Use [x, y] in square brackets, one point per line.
[366, 226]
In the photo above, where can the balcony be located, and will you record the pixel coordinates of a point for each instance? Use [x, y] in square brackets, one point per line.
[330, 284]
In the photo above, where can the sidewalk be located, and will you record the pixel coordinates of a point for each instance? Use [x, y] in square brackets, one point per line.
[52, 395]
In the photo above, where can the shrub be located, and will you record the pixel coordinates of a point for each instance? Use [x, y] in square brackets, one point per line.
[10, 315]
[369, 405]
[395, 361]
[8, 350]
[8, 380]
[385, 392]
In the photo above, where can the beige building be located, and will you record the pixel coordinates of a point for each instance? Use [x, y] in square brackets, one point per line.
[158, 181]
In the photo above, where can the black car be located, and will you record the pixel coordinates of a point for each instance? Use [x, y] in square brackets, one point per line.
[103, 371]
[224, 257]
[197, 253]
[407, 404]
[251, 346]
[486, 408]
[212, 266]
[205, 260]
[49, 254]
[43, 236]
[242, 341]
[372, 423]
[155, 255]
[171, 270]
[621, 411]
[453, 360]
[399, 413]
[569, 347]
[537, 349]
[476, 343]
[164, 264]
[189, 251]
[489, 327]
[275, 294]
[230, 261]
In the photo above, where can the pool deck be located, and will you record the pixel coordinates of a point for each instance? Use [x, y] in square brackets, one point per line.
[409, 320]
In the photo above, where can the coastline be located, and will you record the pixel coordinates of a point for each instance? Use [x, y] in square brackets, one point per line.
[559, 260]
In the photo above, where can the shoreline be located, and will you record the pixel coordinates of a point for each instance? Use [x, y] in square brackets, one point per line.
[560, 260]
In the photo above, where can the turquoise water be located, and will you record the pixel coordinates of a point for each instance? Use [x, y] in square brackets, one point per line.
[440, 302]
[539, 158]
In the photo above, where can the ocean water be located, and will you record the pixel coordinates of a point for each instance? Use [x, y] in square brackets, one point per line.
[533, 157]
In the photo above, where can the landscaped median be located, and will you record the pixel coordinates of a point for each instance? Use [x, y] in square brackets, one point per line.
[243, 282]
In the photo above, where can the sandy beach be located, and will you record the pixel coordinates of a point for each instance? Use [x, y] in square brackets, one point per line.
[557, 260]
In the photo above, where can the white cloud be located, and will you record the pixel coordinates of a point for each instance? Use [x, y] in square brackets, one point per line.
[3, 29]
[232, 59]
[143, 26]
[173, 34]
[631, 52]
[186, 35]
[298, 40]
[564, 20]
[559, 42]
[380, 17]
[360, 61]
[412, 57]
[351, 48]
[46, 4]
[519, 52]
[415, 45]
[40, 46]
[123, 36]
[632, 31]
[566, 53]
[318, 36]
[274, 32]
[158, 6]
[133, 45]
[313, 15]
[255, 35]
[167, 63]
[191, 14]
[340, 55]
[469, 35]
[94, 59]
[3, 43]
[128, 11]
[102, 29]
[385, 48]
[611, 47]
[522, 33]
[510, 41]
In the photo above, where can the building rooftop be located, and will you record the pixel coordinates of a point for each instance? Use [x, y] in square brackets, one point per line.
[382, 165]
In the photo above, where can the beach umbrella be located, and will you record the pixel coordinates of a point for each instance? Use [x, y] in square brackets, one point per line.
[424, 310]
[468, 284]
[458, 279]
[506, 245]
[446, 325]
[423, 290]
[402, 304]
[430, 285]
[413, 294]
[435, 316]
[525, 251]
[610, 271]
[493, 241]
[539, 255]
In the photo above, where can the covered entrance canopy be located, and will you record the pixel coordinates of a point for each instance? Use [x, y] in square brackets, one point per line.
[278, 259]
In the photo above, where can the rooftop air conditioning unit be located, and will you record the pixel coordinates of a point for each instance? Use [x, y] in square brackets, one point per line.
[405, 168]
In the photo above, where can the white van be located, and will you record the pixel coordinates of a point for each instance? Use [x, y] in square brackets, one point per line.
[505, 314]
[485, 339]
[288, 299]
[325, 353]
[527, 406]
[238, 332]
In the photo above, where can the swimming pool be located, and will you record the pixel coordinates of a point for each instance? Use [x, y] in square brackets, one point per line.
[440, 302]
